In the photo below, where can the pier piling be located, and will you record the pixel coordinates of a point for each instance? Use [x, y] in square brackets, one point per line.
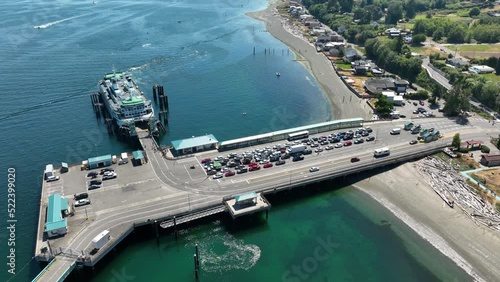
[254, 50]
[175, 228]
[196, 268]
[197, 256]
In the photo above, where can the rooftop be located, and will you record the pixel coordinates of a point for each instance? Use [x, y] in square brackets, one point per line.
[378, 85]
[194, 142]
[99, 159]
[138, 155]
[56, 205]
[489, 158]
[245, 196]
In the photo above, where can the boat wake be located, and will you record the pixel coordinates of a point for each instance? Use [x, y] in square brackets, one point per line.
[56, 22]
[221, 252]
[45, 104]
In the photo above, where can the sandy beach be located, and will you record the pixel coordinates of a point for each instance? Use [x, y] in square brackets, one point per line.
[343, 102]
[403, 190]
[408, 195]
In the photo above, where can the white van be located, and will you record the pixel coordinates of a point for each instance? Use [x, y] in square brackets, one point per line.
[395, 131]
[124, 158]
[381, 152]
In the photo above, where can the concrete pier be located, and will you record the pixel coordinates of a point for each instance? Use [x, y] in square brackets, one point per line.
[161, 189]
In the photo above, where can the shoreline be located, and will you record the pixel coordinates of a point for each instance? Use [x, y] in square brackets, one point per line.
[407, 194]
[343, 102]
[449, 230]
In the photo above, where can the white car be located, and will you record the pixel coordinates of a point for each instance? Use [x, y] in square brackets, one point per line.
[338, 145]
[52, 178]
[109, 175]
[217, 176]
[313, 169]
[82, 202]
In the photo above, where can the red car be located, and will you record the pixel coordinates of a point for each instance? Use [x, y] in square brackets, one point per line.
[206, 160]
[268, 165]
[347, 143]
[421, 103]
[355, 159]
[229, 173]
[252, 168]
[253, 164]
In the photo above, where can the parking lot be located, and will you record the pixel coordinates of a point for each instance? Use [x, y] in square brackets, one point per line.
[256, 159]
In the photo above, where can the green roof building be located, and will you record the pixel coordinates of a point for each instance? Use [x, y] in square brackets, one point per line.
[56, 224]
[100, 161]
[194, 144]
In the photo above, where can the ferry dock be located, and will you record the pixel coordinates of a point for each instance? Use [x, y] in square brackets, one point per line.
[164, 192]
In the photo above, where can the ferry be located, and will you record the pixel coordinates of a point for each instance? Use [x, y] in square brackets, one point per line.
[124, 100]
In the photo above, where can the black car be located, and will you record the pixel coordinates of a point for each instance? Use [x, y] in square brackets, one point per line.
[358, 141]
[95, 182]
[211, 172]
[92, 174]
[297, 158]
[243, 170]
[370, 138]
[281, 162]
[81, 196]
[106, 169]
[307, 152]
[94, 186]
[355, 159]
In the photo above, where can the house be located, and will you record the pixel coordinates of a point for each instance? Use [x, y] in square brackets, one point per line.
[351, 54]
[377, 71]
[401, 85]
[490, 160]
[481, 69]
[331, 45]
[312, 24]
[306, 17]
[318, 31]
[330, 37]
[378, 85]
[457, 63]
[392, 31]
[334, 52]
[360, 70]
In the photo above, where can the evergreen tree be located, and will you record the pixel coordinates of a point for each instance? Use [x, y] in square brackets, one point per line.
[456, 141]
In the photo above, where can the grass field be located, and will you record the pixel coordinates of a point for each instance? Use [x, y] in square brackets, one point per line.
[479, 48]
[491, 76]
[344, 66]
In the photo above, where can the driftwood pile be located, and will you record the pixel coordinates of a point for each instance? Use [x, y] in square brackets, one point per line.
[453, 189]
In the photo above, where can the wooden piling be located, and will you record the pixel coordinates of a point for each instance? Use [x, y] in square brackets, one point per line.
[197, 256]
[196, 269]
[175, 227]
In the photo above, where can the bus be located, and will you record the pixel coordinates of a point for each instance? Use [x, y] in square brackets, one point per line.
[298, 135]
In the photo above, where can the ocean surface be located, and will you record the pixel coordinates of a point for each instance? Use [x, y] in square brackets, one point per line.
[54, 52]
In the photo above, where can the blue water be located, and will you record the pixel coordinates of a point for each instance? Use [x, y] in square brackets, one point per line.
[205, 63]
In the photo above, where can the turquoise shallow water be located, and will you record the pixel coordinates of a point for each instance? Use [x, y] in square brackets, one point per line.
[337, 235]
[207, 66]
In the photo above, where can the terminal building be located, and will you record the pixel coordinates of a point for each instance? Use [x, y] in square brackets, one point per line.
[194, 144]
[56, 224]
[287, 133]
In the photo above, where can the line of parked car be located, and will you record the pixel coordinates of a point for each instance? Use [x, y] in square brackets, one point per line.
[96, 181]
[278, 154]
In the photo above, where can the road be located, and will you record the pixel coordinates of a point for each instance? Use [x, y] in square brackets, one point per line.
[191, 189]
